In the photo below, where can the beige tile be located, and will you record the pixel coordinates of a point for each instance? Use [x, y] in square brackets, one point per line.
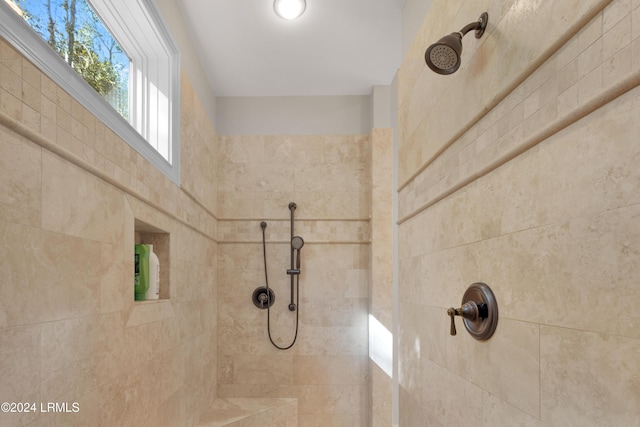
[412, 413]
[85, 353]
[246, 412]
[572, 205]
[10, 105]
[21, 178]
[616, 39]
[410, 366]
[502, 69]
[198, 149]
[381, 401]
[568, 76]
[435, 327]
[48, 90]
[615, 12]
[333, 202]
[498, 413]
[48, 276]
[250, 369]
[568, 100]
[635, 53]
[115, 279]
[635, 24]
[65, 342]
[20, 370]
[319, 400]
[63, 99]
[11, 82]
[507, 365]
[326, 370]
[588, 378]
[10, 58]
[79, 204]
[330, 420]
[617, 67]
[60, 278]
[31, 96]
[245, 149]
[591, 32]
[449, 399]
[590, 58]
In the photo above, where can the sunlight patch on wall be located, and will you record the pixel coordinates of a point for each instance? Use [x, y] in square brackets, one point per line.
[380, 345]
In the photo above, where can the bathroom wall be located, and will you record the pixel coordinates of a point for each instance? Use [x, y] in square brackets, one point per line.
[294, 115]
[413, 12]
[523, 176]
[71, 195]
[381, 281]
[328, 177]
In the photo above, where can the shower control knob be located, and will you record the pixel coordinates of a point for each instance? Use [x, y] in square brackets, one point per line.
[263, 297]
[452, 313]
[470, 310]
[479, 311]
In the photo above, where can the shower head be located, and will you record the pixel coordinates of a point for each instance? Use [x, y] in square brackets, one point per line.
[297, 242]
[443, 57]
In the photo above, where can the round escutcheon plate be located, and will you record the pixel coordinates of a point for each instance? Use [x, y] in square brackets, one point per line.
[484, 326]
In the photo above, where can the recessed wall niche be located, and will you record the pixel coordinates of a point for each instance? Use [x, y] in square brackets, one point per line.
[148, 234]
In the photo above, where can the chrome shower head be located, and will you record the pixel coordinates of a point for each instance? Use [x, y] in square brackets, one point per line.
[297, 242]
[443, 57]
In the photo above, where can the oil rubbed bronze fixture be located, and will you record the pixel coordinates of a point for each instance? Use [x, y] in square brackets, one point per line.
[443, 56]
[479, 312]
[263, 297]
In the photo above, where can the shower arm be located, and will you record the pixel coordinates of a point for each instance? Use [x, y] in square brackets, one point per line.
[478, 26]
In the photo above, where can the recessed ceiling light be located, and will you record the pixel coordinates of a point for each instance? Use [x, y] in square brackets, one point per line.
[289, 9]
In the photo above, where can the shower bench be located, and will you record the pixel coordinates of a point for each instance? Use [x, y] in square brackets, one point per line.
[251, 412]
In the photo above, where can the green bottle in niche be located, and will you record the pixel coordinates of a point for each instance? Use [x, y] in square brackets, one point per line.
[141, 272]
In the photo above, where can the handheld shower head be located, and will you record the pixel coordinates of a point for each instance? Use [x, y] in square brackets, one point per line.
[443, 56]
[297, 242]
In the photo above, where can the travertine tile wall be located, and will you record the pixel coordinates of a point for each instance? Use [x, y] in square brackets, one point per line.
[329, 179]
[537, 196]
[70, 191]
[381, 283]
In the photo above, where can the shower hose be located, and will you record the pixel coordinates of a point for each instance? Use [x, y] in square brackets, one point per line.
[266, 279]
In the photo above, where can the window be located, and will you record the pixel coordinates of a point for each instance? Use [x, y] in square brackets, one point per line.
[138, 66]
[73, 29]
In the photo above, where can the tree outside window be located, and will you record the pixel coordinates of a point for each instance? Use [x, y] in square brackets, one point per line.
[76, 33]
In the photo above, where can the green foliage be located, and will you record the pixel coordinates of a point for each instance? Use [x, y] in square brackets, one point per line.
[101, 75]
[74, 31]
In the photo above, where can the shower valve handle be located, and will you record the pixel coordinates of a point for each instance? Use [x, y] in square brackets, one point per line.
[469, 310]
[262, 299]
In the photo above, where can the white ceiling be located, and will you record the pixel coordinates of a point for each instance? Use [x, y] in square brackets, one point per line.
[337, 47]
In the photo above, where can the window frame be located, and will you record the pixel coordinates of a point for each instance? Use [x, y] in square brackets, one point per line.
[164, 60]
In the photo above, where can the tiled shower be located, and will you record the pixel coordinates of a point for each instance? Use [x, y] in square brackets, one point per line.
[523, 175]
